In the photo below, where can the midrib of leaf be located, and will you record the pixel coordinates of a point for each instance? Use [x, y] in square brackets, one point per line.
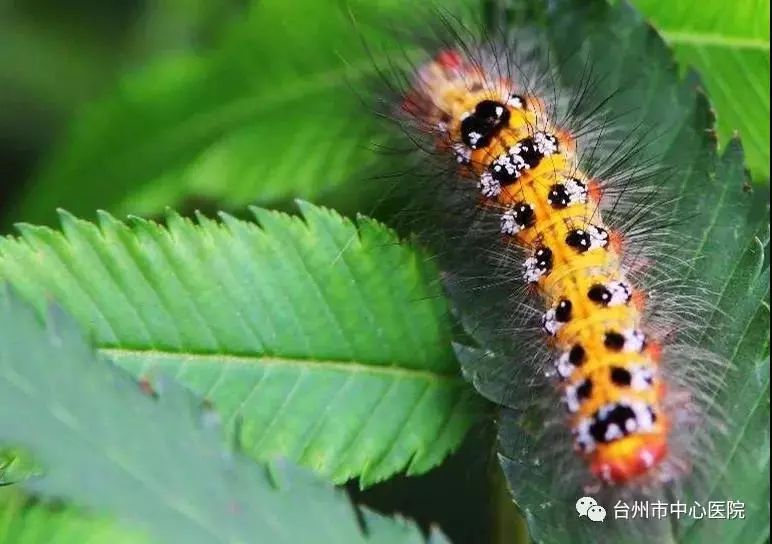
[348, 366]
[714, 39]
[222, 305]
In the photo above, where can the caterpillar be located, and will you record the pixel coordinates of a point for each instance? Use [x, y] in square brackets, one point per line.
[531, 189]
[566, 179]
[526, 168]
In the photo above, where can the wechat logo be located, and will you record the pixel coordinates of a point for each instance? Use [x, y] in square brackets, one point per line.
[587, 506]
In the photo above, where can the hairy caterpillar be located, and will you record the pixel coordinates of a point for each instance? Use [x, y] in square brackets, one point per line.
[526, 168]
[556, 196]
[553, 220]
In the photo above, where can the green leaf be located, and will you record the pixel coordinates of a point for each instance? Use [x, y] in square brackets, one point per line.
[156, 464]
[316, 340]
[269, 114]
[25, 520]
[734, 266]
[15, 465]
[728, 42]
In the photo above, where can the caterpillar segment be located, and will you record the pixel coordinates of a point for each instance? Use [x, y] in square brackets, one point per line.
[606, 368]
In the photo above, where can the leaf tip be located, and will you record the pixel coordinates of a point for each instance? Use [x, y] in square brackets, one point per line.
[66, 218]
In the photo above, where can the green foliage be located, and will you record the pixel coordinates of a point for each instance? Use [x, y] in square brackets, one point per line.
[728, 42]
[273, 111]
[724, 225]
[25, 520]
[156, 464]
[15, 465]
[57, 57]
[317, 341]
[268, 114]
[733, 257]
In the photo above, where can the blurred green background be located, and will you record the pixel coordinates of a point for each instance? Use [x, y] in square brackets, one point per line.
[73, 76]
[57, 57]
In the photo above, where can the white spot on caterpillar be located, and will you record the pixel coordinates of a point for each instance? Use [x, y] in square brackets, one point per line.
[643, 416]
[508, 223]
[647, 458]
[563, 366]
[515, 101]
[631, 425]
[532, 271]
[512, 162]
[577, 191]
[598, 237]
[642, 377]
[549, 322]
[635, 340]
[546, 144]
[538, 265]
[620, 293]
[488, 186]
[582, 437]
[462, 153]
[613, 432]
[571, 399]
